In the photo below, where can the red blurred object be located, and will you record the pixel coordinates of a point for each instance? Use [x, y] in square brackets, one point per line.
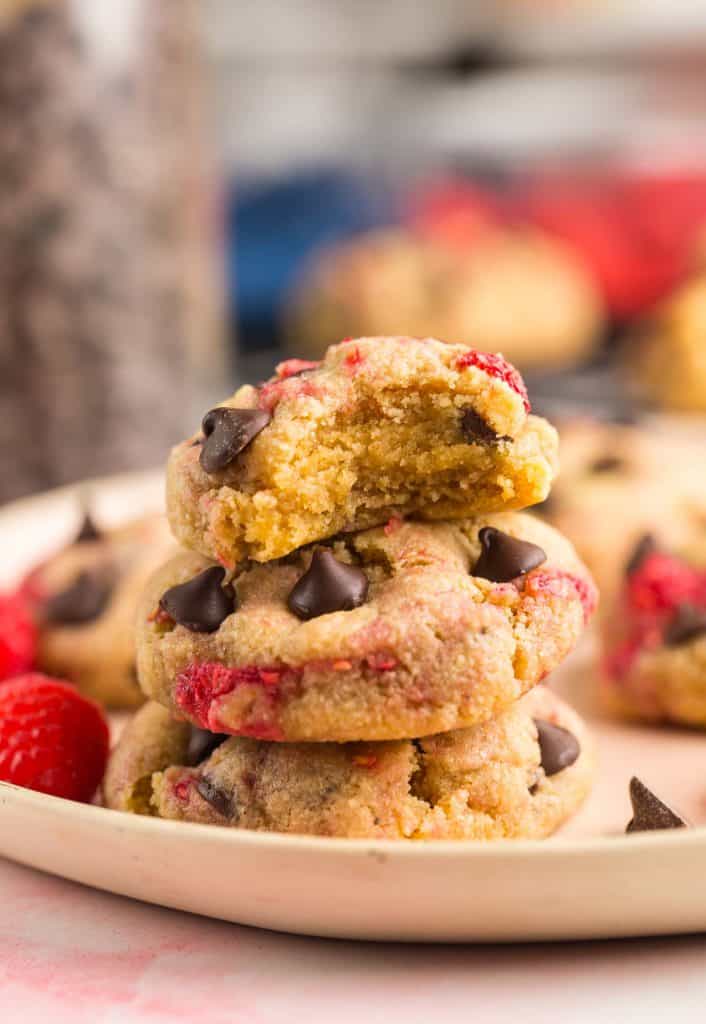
[636, 232]
[52, 739]
[18, 636]
[454, 212]
[624, 231]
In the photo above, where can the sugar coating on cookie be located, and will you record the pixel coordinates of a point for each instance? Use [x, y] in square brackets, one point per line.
[85, 598]
[654, 665]
[380, 427]
[491, 781]
[431, 646]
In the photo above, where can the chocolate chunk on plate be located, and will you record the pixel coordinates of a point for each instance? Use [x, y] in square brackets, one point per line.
[649, 813]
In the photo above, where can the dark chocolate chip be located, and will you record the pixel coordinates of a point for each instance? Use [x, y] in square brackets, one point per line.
[200, 604]
[327, 586]
[645, 546]
[476, 431]
[202, 744]
[227, 432]
[607, 464]
[648, 811]
[686, 624]
[88, 531]
[83, 601]
[504, 558]
[215, 796]
[559, 748]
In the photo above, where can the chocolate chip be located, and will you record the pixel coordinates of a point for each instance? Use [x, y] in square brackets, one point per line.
[202, 744]
[215, 796]
[88, 531]
[686, 624]
[504, 558]
[83, 601]
[649, 812]
[607, 464]
[327, 586]
[558, 747]
[227, 433]
[200, 604]
[475, 430]
[645, 547]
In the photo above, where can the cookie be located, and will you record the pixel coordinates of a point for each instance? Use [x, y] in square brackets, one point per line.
[382, 427]
[655, 639]
[620, 481]
[85, 598]
[513, 291]
[667, 353]
[520, 775]
[438, 626]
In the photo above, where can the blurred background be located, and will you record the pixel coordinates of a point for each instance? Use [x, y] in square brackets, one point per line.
[191, 191]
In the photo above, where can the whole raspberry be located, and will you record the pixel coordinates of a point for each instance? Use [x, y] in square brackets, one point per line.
[18, 636]
[51, 738]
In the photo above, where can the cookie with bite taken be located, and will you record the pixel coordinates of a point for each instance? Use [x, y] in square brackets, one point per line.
[381, 427]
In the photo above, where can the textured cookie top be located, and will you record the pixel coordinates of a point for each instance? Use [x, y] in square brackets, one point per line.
[450, 623]
[381, 427]
[519, 775]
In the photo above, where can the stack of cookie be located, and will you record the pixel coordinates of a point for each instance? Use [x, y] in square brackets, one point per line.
[352, 644]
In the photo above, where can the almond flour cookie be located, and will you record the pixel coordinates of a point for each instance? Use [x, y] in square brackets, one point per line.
[381, 427]
[519, 775]
[85, 598]
[655, 638]
[667, 355]
[394, 632]
[619, 481]
[515, 291]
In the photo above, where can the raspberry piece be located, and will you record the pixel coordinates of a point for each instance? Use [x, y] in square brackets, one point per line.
[51, 738]
[663, 582]
[18, 636]
[200, 685]
[556, 583]
[496, 366]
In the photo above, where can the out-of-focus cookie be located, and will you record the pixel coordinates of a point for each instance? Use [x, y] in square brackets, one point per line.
[620, 481]
[381, 427]
[521, 774]
[655, 637]
[85, 599]
[511, 290]
[667, 354]
[399, 631]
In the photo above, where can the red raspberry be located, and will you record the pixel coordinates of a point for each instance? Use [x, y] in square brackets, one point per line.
[662, 583]
[18, 636]
[496, 366]
[51, 738]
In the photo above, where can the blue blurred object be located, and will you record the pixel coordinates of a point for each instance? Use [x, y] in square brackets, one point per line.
[274, 227]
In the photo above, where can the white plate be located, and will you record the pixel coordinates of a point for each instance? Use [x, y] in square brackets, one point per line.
[588, 882]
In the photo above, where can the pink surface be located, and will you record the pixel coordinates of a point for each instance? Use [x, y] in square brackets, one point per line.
[70, 955]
